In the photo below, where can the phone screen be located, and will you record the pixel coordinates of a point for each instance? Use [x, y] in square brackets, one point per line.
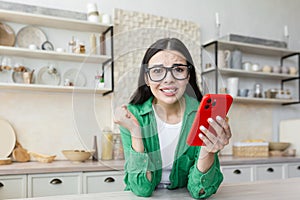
[211, 106]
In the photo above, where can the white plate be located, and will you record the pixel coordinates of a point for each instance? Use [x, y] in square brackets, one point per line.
[17, 77]
[46, 78]
[8, 139]
[31, 35]
[76, 77]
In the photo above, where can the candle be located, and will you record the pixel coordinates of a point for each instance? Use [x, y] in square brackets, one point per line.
[217, 19]
[286, 32]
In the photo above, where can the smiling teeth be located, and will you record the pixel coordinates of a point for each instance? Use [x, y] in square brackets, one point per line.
[169, 91]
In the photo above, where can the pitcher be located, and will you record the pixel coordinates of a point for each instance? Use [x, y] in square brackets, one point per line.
[224, 58]
[236, 59]
[28, 77]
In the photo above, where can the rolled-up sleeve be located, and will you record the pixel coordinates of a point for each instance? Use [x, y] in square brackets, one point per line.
[203, 185]
[136, 166]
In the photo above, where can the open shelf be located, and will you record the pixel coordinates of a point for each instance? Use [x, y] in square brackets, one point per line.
[52, 55]
[49, 88]
[51, 21]
[262, 100]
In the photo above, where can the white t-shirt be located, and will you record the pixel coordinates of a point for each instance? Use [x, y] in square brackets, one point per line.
[168, 135]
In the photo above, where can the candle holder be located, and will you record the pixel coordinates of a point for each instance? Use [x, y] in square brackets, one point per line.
[218, 31]
[286, 39]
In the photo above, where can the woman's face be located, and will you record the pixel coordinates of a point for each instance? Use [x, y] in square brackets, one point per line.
[168, 90]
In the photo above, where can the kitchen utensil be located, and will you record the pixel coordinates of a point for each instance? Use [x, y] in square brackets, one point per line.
[236, 59]
[224, 58]
[42, 158]
[7, 138]
[243, 92]
[267, 68]
[247, 66]
[256, 67]
[20, 154]
[288, 133]
[278, 146]
[271, 93]
[77, 156]
[293, 70]
[30, 35]
[7, 35]
[232, 86]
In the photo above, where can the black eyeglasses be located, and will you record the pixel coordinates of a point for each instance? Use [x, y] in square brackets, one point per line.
[159, 72]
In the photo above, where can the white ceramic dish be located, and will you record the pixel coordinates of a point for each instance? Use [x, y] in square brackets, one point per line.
[8, 139]
[47, 78]
[76, 77]
[31, 35]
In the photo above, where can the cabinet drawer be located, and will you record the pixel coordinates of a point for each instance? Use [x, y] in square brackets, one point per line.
[293, 170]
[237, 174]
[103, 181]
[54, 184]
[268, 172]
[13, 186]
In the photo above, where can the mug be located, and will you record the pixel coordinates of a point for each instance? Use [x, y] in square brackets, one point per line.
[236, 59]
[233, 86]
[223, 58]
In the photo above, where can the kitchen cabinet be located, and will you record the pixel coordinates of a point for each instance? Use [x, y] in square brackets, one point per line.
[218, 75]
[237, 173]
[95, 182]
[13, 186]
[293, 170]
[54, 184]
[104, 61]
[269, 172]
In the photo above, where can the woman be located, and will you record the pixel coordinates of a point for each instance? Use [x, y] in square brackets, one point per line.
[155, 125]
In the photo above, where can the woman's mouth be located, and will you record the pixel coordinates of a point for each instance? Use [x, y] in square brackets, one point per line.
[169, 91]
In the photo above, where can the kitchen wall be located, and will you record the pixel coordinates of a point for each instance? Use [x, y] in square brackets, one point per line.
[265, 19]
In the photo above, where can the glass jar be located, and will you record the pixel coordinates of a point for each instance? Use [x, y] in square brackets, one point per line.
[118, 153]
[107, 146]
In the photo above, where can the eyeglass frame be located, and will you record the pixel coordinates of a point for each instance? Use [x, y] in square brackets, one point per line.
[147, 70]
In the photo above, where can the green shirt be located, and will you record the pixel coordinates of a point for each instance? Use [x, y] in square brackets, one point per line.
[184, 170]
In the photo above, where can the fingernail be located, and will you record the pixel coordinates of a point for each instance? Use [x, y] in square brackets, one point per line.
[200, 135]
[202, 128]
[210, 120]
[219, 118]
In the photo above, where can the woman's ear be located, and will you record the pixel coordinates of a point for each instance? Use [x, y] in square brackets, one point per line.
[146, 80]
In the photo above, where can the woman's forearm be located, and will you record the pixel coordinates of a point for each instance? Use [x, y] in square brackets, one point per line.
[205, 160]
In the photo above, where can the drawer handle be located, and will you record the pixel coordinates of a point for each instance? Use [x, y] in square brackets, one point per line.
[270, 170]
[56, 181]
[298, 167]
[1, 185]
[237, 171]
[109, 180]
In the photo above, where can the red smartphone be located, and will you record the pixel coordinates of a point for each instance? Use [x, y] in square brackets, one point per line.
[211, 106]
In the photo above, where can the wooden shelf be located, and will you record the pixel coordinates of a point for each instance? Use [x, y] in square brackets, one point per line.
[52, 55]
[262, 100]
[48, 88]
[250, 48]
[51, 21]
[239, 72]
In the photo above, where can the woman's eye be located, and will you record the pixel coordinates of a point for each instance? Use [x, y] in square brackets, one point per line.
[178, 69]
[157, 70]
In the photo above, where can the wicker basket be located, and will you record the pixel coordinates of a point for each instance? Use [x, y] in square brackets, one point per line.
[251, 149]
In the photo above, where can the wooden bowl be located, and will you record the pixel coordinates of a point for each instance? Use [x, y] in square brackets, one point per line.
[278, 146]
[77, 155]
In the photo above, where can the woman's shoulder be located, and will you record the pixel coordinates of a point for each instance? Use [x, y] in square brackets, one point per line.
[140, 109]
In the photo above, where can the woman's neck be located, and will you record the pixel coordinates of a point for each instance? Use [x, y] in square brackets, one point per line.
[170, 113]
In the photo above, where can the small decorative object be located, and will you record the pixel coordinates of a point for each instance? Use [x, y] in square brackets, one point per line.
[95, 155]
[93, 44]
[286, 35]
[218, 26]
[77, 156]
[72, 45]
[106, 19]
[92, 13]
[102, 44]
[47, 46]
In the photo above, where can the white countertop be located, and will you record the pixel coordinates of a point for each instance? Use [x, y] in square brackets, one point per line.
[263, 190]
[58, 166]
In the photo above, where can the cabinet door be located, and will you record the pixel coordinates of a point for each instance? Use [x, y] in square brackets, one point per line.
[111, 181]
[54, 184]
[13, 186]
[234, 174]
[269, 172]
[293, 170]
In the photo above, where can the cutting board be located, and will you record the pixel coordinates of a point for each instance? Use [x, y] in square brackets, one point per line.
[289, 131]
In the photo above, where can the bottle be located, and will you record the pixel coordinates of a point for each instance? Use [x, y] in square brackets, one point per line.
[118, 153]
[95, 155]
[93, 44]
[72, 45]
[102, 44]
[107, 145]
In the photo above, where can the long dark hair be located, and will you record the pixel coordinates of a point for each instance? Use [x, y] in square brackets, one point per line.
[143, 92]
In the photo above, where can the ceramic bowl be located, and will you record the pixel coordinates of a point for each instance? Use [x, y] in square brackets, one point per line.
[278, 146]
[77, 155]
